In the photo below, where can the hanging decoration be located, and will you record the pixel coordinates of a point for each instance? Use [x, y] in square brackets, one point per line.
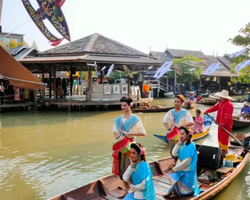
[127, 70]
[163, 69]
[177, 68]
[242, 65]
[51, 10]
[212, 68]
[237, 54]
[110, 69]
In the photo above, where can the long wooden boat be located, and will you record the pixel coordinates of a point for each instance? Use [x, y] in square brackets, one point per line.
[163, 137]
[208, 102]
[207, 127]
[237, 124]
[164, 109]
[110, 187]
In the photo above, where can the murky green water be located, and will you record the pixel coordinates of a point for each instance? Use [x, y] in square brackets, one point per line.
[43, 154]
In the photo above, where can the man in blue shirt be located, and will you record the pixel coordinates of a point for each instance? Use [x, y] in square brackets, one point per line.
[245, 111]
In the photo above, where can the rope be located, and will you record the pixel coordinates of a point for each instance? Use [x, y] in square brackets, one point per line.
[14, 30]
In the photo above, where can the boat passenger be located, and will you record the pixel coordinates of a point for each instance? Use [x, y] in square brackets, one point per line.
[198, 122]
[184, 173]
[199, 98]
[224, 118]
[139, 175]
[245, 111]
[128, 125]
[191, 97]
[174, 119]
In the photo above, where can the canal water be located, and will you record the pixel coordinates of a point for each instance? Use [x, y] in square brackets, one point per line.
[43, 154]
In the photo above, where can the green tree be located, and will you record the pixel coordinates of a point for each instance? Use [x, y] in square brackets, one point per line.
[12, 44]
[242, 40]
[187, 76]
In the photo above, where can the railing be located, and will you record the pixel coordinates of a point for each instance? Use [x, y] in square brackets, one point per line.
[157, 84]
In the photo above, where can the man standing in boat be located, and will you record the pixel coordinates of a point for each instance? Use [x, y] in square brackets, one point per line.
[174, 119]
[224, 117]
[127, 126]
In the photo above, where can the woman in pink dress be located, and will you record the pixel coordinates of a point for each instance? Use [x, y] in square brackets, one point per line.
[16, 93]
[198, 122]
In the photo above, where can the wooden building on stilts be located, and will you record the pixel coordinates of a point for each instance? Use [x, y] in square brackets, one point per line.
[91, 53]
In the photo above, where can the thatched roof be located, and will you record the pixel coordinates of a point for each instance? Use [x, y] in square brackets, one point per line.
[162, 56]
[93, 44]
[93, 48]
[179, 53]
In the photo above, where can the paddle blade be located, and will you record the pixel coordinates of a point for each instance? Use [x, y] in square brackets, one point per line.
[162, 137]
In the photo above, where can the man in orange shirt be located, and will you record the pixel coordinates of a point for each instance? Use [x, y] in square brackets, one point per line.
[224, 117]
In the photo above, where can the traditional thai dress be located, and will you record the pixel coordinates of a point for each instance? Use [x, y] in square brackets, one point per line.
[142, 186]
[225, 118]
[180, 118]
[16, 94]
[183, 179]
[131, 125]
[198, 127]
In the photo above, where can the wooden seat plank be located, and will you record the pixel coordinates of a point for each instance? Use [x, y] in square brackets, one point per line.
[109, 197]
[162, 179]
[164, 185]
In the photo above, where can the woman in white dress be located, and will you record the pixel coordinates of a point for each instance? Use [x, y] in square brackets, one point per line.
[130, 126]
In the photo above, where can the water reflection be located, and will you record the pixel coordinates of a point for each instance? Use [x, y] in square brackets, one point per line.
[47, 153]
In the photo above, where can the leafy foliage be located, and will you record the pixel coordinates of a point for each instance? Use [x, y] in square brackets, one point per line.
[187, 76]
[242, 40]
[12, 44]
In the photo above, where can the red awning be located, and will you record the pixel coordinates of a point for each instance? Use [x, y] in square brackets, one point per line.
[17, 74]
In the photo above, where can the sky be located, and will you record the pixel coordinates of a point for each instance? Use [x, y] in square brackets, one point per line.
[178, 24]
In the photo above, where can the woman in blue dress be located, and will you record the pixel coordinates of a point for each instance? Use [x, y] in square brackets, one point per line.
[183, 174]
[139, 175]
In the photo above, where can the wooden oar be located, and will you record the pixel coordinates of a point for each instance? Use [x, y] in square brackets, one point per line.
[227, 132]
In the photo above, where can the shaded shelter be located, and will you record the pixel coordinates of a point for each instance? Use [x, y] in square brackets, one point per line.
[95, 48]
[17, 74]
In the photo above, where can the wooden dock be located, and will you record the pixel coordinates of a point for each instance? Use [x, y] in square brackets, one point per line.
[95, 102]
[26, 105]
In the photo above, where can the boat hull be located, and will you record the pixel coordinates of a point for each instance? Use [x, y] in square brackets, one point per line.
[111, 186]
[237, 124]
[152, 110]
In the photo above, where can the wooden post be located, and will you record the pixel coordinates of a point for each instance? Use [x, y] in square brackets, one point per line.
[89, 86]
[167, 84]
[44, 90]
[158, 89]
[219, 79]
[55, 87]
[175, 80]
[50, 81]
[71, 80]
[129, 86]
[35, 96]
[200, 85]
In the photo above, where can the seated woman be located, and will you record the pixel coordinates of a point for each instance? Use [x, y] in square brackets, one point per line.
[138, 175]
[199, 98]
[245, 111]
[191, 97]
[184, 173]
[198, 122]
